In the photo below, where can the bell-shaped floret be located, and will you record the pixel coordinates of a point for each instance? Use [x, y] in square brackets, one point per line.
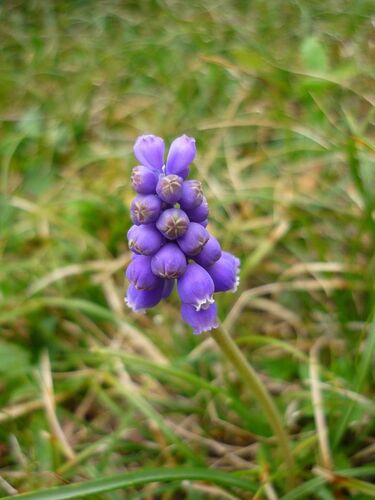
[201, 321]
[225, 273]
[195, 287]
[149, 151]
[181, 153]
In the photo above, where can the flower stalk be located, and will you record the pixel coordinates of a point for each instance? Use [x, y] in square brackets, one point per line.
[251, 380]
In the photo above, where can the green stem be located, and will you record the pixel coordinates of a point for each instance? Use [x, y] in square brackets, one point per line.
[253, 382]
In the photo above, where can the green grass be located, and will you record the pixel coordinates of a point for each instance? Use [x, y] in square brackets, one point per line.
[280, 97]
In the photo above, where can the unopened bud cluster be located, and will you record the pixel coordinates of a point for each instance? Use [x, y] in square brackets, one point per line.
[169, 240]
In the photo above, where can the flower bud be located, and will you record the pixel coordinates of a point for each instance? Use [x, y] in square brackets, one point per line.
[169, 188]
[144, 239]
[210, 253]
[199, 213]
[181, 154]
[149, 151]
[139, 300]
[144, 179]
[140, 275]
[225, 273]
[192, 194]
[195, 287]
[173, 223]
[169, 262]
[194, 239]
[202, 320]
[145, 208]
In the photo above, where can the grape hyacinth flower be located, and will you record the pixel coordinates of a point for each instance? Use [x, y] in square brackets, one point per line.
[173, 223]
[181, 154]
[169, 188]
[194, 239]
[145, 239]
[224, 273]
[139, 273]
[144, 179]
[199, 213]
[169, 239]
[145, 208]
[149, 151]
[210, 253]
[170, 244]
[191, 195]
[169, 262]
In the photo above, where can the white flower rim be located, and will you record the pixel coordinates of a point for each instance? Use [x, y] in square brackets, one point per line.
[131, 306]
[204, 303]
[236, 285]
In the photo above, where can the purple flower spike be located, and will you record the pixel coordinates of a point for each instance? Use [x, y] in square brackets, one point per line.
[145, 208]
[195, 287]
[194, 239]
[140, 275]
[173, 223]
[210, 253]
[172, 244]
[144, 239]
[169, 262]
[169, 188]
[181, 154]
[192, 194]
[149, 151]
[139, 300]
[201, 321]
[225, 273]
[144, 179]
[200, 213]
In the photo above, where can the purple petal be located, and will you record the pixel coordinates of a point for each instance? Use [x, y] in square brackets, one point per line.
[149, 151]
[200, 213]
[210, 253]
[181, 154]
[201, 321]
[192, 194]
[194, 239]
[204, 223]
[169, 262]
[140, 275]
[144, 179]
[195, 287]
[145, 208]
[225, 273]
[139, 300]
[168, 288]
[173, 223]
[169, 188]
[144, 239]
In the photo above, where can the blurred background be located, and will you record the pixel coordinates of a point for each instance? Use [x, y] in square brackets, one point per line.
[280, 98]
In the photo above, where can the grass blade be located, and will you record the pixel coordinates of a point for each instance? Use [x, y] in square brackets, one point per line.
[304, 490]
[363, 370]
[133, 479]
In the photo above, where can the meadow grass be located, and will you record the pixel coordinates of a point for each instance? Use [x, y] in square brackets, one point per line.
[280, 97]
